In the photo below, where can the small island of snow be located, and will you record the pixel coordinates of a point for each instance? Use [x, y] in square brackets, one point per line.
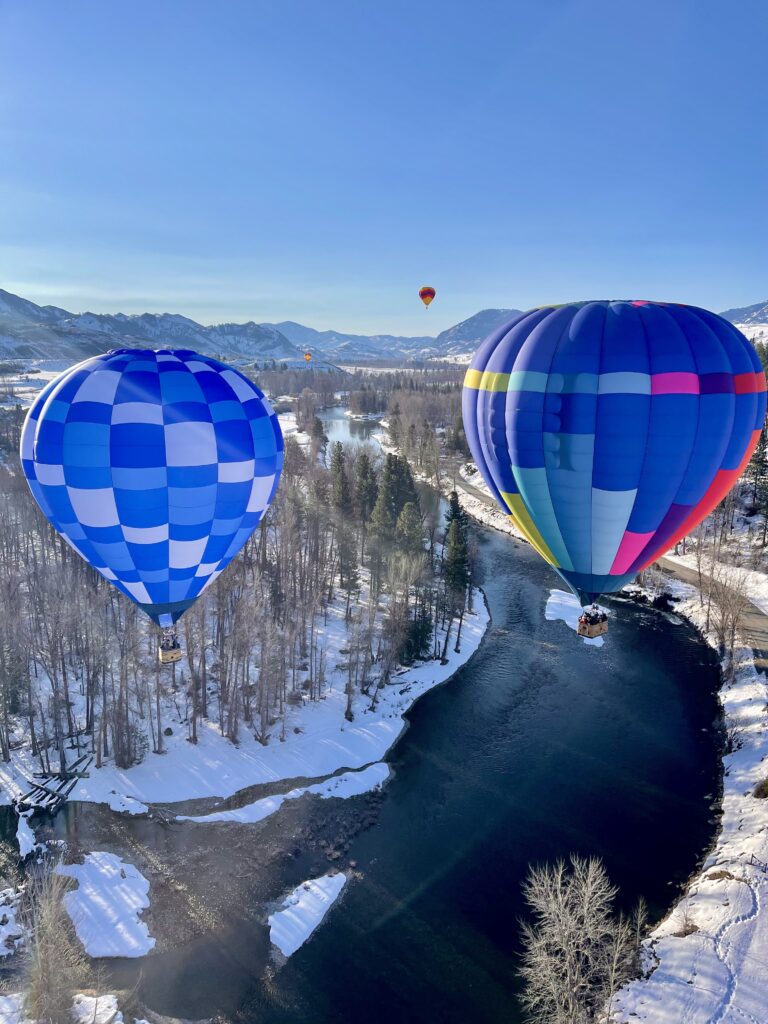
[106, 905]
[303, 911]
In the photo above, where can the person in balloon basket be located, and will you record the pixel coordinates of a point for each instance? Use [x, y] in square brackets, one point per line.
[592, 616]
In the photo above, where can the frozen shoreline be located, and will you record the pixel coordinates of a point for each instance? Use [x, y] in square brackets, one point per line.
[717, 973]
[319, 741]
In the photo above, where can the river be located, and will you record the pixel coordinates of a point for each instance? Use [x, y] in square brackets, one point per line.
[540, 746]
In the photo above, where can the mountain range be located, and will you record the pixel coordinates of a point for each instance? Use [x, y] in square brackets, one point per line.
[29, 331]
[750, 316]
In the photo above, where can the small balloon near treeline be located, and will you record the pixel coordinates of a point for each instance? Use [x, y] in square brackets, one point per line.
[608, 430]
[156, 467]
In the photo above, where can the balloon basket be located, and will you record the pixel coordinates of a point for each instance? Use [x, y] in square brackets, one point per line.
[592, 629]
[169, 651]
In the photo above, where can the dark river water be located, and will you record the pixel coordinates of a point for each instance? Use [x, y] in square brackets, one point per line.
[539, 747]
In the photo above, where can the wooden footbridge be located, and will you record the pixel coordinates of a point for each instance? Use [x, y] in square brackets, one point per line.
[50, 794]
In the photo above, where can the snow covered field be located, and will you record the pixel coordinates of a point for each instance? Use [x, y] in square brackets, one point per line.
[106, 905]
[709, 958]
[303, 911]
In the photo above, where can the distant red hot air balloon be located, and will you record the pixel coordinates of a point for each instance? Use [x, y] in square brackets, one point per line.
[308, 357]
[426, 294]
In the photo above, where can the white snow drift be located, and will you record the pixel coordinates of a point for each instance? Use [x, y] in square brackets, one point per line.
[106, 905]
[303, 911]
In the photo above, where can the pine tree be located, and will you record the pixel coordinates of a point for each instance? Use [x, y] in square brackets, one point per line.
[455, 513]
[395, 426]
[404, 488]
[366, 488]
[385, 512]
[757, 465]
[318, 434]
[341, 493]
[409, 531]
[349, 576]
[456, 564]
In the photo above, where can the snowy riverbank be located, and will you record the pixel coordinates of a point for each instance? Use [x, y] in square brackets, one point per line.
[707, 959]
[319, 741]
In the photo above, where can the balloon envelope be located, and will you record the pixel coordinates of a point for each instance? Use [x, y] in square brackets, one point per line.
[156, 467]
[426, 294]
[608, 430]
[308, 357]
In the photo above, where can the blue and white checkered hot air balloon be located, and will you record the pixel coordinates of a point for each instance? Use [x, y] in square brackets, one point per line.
[156, 467]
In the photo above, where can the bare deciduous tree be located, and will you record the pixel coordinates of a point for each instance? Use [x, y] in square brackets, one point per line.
[576, 951]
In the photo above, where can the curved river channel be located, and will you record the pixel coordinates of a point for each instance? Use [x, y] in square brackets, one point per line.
[540, 746]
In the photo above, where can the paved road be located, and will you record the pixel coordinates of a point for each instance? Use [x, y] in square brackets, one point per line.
[754, 627]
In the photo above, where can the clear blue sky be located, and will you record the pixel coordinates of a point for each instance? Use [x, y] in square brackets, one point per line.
[319, 160]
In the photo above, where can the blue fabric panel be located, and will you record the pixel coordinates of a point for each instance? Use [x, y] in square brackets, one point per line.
[608, 425]
[575, 363]
[96, 441]
[673, 424]
[621, 431]
[708, 449]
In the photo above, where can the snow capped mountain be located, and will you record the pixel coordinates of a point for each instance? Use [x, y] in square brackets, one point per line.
[349, 348]
[29, 331]
[468, 334]
[47, 332]
[340, 347]
[757, 314]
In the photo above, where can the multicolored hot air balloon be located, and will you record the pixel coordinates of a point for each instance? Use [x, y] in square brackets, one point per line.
[156, 467]
[307, 357]
[608, 430]
[426, 294]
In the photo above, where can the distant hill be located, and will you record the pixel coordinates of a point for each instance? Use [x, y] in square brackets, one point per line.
[757, 314]
[29, 331]
[348, 348]
[341, 347]
[469, 333]
[47, 332]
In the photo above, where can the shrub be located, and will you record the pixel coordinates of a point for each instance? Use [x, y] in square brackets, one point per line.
[55, 964]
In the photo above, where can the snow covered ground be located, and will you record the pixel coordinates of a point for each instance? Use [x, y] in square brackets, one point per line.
[12, 1008]
[319, 741]
[11, 930]
[756, 582]
[339, 786]
[287, 421]
[565, 606]
[25, 837]
[709, 957]
[106, 905]
[303, 911]
[97, 1010]
[85, 1010]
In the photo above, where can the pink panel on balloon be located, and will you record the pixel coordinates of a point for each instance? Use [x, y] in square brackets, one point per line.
[675, 384]
[631, 546]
